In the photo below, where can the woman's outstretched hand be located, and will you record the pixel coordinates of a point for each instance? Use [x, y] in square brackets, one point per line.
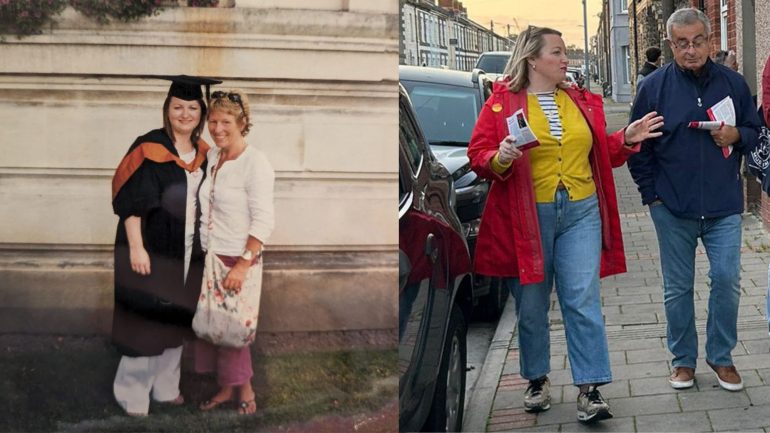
[644, 128]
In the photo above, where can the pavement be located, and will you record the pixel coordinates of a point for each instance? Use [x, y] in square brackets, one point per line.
[640, 396]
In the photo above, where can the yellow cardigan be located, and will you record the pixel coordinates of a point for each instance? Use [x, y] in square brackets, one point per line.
[555, 161]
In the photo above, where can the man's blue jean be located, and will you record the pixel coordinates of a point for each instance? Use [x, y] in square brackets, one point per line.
[678, 239]
[571, 236]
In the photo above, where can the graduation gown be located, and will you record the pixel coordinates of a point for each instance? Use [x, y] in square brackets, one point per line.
[154, 312]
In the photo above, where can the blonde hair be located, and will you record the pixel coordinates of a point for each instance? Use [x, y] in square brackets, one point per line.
[528, 46]
[238, 108]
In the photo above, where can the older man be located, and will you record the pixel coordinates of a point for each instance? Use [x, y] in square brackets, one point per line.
[694, 190]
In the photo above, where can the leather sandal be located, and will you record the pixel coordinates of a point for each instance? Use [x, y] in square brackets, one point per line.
[212, 404]
[245, 406]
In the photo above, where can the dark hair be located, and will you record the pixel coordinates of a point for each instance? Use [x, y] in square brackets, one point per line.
[652, 54]
[196, 134]
[721, 57]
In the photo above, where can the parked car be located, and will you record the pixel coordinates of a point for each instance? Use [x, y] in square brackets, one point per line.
[575, 75]
[447, 104]
[493, 63]
[434, 287]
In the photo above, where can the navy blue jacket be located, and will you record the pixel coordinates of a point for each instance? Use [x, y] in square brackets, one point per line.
[684, 167]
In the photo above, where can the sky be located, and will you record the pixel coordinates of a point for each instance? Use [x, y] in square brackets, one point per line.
[565, 16]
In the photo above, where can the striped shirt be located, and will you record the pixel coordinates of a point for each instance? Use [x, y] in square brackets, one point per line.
[551, 111]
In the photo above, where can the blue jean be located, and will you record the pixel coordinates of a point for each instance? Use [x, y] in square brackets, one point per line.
[571, 236]
[678, 239]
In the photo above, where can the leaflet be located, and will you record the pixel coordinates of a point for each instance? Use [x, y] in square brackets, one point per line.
[519, 128]
[707, 124]
[722, 113]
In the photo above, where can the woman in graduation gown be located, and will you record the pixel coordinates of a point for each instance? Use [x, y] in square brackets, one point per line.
[158, 259]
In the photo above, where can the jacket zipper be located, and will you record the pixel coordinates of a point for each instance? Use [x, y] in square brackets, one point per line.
[700, 105]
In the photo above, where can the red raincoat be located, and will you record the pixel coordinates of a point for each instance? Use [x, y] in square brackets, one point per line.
[509, 242]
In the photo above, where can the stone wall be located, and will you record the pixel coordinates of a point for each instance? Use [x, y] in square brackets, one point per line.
[762, 16]
[322, 85]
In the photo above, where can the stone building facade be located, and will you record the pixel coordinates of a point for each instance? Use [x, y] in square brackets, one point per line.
[321, 77]
[440, 35]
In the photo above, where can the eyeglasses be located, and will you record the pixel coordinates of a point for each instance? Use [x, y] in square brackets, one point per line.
[233, 97]
[685, 44]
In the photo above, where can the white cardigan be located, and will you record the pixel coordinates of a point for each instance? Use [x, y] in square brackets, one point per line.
[243, 202]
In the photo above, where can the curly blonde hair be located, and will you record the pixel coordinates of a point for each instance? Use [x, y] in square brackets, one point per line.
[233, 102]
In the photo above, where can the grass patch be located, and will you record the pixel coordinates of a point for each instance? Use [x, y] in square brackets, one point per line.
[65, 384]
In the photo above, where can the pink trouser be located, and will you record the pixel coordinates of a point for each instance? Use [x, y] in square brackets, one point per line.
[233, 366]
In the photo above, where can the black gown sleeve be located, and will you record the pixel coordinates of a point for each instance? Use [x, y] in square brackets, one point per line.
[140, 194]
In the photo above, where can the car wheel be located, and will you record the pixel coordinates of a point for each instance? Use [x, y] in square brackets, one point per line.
[446, 414]
[491, 306]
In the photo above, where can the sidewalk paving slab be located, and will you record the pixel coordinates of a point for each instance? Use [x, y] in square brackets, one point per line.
[640, 396]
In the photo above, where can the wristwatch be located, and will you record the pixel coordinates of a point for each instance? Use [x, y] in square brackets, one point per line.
[249, 255]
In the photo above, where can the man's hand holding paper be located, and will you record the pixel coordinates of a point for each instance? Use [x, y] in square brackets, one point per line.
[725, 137]
[722, 125]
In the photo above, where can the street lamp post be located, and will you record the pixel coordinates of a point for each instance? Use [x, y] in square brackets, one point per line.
[587, 80]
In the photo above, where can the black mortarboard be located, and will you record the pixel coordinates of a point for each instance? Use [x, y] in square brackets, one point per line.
[187, 87]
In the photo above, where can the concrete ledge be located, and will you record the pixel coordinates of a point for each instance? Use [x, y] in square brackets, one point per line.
[303, 292]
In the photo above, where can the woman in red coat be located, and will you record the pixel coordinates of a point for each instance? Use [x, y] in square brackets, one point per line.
[551, 214]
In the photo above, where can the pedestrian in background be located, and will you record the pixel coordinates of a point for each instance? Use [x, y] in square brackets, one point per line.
[653, 62]
[727, 58]
[694, 191]
[551, 214]
[158, 259]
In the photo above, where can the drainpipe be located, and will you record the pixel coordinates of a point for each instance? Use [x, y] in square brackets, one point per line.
[668, 9]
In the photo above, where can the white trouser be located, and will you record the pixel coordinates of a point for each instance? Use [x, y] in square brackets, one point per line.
[137, 376]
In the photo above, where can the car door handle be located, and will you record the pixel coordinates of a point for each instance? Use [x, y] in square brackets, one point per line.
[431, 250]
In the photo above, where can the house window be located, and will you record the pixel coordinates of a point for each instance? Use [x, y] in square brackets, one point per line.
[723, 24]
[623, 6]
[624, 67]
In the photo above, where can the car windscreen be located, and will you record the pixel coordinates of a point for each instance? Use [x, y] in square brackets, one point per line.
[492, 64]
[446, 113]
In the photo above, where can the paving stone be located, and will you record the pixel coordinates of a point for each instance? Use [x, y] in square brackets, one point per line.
[764, 374]
[645, 405]
[504, 399]
[641, 370]
[759, 395]
[560, 377]
[753, 334]
[625, 291]
[611, 425]
[679, 422]
[558, 362]
[757, 346]
[651, 386]
[642, 308]
[635, 344]
[617, 358]
[631, 319]
[740, 420]
[750, 362]
[545, 428]
[647, 355]
[558, 414]
[629, 299]
[717, 399]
